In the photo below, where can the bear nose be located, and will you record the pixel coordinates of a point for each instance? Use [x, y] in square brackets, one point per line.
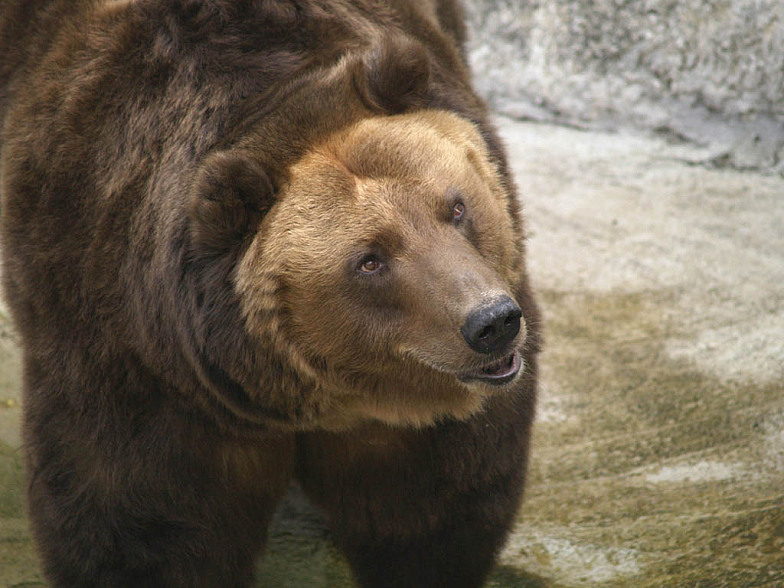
[492, 326]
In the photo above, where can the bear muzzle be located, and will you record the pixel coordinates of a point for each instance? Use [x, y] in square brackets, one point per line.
[492, 326]
[491, 329]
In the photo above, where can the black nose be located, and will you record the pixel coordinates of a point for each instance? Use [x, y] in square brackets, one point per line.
[492, 326]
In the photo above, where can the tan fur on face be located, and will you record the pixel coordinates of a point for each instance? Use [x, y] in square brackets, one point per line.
[384, 182]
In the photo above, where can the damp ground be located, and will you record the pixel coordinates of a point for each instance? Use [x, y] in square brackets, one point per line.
[658, 455]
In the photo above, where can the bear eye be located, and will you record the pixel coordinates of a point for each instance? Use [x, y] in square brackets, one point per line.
[370, 265]
[458, 211]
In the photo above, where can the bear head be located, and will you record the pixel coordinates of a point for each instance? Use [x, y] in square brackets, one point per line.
[369, 246]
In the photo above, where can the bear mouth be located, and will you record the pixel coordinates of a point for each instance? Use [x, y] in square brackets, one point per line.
[496, 373]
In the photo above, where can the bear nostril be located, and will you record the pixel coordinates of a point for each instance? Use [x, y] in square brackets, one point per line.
[487, 332]
[491, 327]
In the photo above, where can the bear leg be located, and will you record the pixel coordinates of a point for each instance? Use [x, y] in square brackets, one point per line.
[88, 537]
[145, 495]
[429, 508]
[460, 554]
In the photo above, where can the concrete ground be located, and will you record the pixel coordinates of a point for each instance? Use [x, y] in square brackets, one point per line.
[659, 451]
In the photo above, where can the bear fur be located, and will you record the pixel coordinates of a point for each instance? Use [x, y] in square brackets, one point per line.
[252, 241]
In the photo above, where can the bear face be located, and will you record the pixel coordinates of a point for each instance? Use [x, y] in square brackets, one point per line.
[368, 265]
[385, 240]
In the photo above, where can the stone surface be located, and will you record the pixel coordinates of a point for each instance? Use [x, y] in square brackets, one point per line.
[658, 451]
[708, 71]
[658, 455]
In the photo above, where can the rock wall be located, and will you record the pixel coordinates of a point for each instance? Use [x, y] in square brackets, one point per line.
[708, 71]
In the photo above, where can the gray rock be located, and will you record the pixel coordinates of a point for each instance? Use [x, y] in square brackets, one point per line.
[707, 71]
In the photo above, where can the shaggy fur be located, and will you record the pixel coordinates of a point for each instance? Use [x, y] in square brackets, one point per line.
[239, 241]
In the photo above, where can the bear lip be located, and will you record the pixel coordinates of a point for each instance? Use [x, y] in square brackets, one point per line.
[497, 373]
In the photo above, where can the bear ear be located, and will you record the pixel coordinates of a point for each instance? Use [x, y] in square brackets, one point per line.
[395, 75]
[230, 196]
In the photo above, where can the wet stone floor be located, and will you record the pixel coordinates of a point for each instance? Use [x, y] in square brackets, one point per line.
[658, 455]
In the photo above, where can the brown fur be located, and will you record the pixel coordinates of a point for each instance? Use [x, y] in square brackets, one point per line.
[188, 190]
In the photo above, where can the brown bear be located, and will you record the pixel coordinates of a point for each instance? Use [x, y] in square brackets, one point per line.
[253, 241]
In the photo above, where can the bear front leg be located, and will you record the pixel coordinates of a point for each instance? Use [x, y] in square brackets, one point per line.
[149, 499]
[182, 531]
[429, 508]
